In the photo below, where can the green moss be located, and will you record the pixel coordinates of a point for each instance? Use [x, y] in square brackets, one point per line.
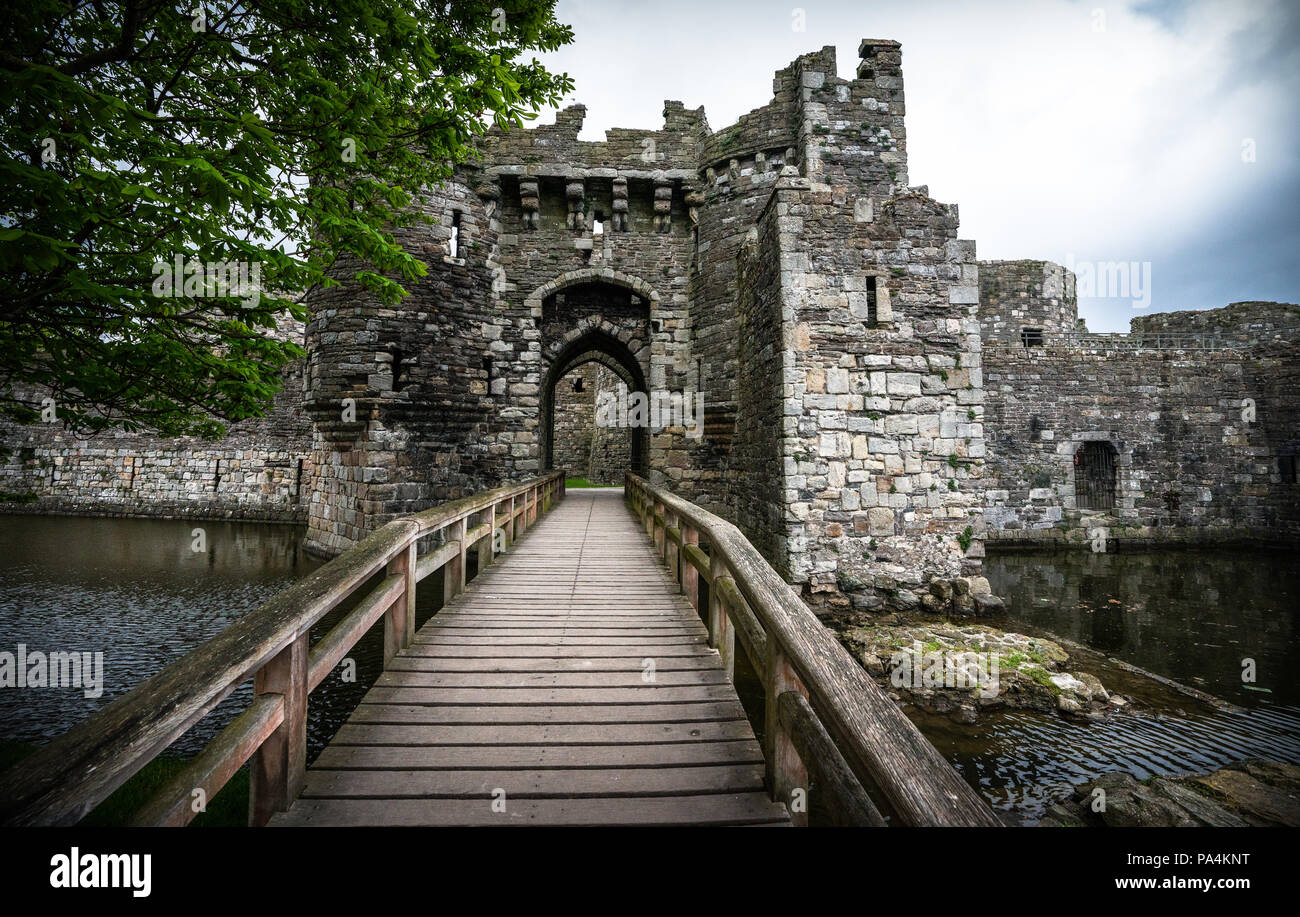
[965, 539]
[1043, 677]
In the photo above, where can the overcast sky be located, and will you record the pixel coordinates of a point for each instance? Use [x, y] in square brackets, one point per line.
[1078, 132]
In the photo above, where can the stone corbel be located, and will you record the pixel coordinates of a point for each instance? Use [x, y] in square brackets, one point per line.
[530, 201]
[575, 191]
[619, 217]
[663, 207]
[693, 201]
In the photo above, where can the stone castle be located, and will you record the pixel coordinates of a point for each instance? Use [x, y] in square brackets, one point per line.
[877, 404]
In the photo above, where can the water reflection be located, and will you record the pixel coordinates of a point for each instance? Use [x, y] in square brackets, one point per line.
[1188, 615]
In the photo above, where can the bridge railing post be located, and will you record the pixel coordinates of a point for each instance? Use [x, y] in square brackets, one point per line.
[484, 547]
[690, 576]
[453, 574]
[672, 553]
[399, 620]
[722, 635]
[278, 768]
[785, 769]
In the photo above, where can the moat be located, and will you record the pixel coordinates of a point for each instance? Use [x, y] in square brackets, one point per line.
[137, 590]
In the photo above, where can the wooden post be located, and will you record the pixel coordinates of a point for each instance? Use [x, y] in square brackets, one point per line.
[399, 620]
[484, 547]
[722, 635]
[279, 767]
[453, 574]
[785, 770]
[655, 512]
[672, 553]
[690, 576]
[511, 534]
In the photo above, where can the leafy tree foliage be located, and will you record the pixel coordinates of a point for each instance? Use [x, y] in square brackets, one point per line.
[288, 136]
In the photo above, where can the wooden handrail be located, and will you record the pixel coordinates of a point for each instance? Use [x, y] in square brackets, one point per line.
[793, 652]
[70, 775]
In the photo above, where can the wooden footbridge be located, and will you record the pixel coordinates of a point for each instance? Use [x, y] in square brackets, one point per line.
[583, 677]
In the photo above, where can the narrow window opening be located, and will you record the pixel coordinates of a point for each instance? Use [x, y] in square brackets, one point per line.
[487, 368]
[1031, 337]
[577, 384]
[1289, 468]
[873, 314]
[216, 475]
[398, 369]
[598, 224]
[297, 483]
[454, 243]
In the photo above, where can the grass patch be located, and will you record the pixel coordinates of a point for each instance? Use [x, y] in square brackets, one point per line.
[229, 808]
[580, 483]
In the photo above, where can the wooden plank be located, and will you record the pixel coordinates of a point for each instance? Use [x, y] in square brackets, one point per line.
[688, 712]
[545, 680]
[541, 651]
[646, 694]
[534, 784]
[351, 733]
[406, 757]
[634, 663]
[729, 809]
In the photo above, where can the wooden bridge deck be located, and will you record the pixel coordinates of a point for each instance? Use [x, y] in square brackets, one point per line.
[529, 700]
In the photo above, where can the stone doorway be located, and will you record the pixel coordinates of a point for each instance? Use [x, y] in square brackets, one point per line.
[593, 369]
[583, 441]
[1095, 476]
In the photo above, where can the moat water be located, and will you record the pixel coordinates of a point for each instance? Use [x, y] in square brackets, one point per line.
[135, 590]
[1193, 616]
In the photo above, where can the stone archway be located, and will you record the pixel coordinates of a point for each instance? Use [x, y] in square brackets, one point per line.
[594, 345]
[593, 275]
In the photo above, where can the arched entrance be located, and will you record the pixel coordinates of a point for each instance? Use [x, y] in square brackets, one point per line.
[607, 351]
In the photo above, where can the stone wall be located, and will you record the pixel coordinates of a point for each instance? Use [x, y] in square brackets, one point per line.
[1016, 295]
[1191, 464]
[261, 470]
